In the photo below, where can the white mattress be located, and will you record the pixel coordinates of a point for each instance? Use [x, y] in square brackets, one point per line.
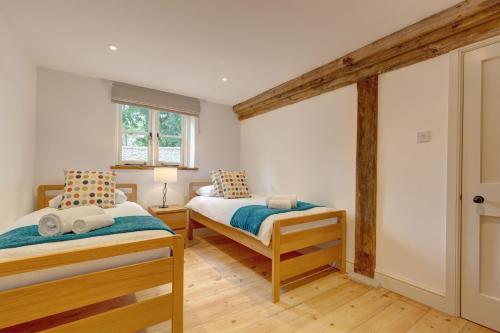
[221, 210]
[125, 209]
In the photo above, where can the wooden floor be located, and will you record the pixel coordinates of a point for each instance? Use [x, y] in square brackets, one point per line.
[228, 289]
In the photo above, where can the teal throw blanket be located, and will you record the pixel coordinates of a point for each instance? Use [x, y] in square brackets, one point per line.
[29, 235]
[249, 218]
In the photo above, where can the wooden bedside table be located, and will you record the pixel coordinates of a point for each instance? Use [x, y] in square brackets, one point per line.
[176, 217]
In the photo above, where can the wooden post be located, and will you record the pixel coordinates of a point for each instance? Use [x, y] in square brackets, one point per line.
[178, 286]
[276, 261]
[366, 176]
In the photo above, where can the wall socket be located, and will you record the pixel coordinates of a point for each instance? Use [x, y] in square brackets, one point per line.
[424, 136]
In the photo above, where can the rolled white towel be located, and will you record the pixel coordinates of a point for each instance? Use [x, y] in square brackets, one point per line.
[89, 223]
[279, 204]
[61, 221]
[290, 197]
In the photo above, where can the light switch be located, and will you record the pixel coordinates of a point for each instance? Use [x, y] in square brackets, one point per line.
[424, 136]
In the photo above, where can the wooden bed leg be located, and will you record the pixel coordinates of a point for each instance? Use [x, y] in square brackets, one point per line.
[190, 229]
[343, 222]
[178, 285]
[276, 261]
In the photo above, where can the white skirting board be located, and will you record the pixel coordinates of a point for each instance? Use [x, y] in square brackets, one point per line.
[432, 298]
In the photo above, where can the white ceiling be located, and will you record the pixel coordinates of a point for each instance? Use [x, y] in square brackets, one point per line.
[187, 46]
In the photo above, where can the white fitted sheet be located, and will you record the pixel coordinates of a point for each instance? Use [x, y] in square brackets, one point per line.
[125, 209]
[221, 210]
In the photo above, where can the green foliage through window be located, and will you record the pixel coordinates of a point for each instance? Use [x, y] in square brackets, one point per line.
[170, 123]
[135, 118]
[135, 140]
[170, 142]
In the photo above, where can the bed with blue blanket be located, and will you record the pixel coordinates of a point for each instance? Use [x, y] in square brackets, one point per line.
[132, 223]
[315, 234]
[251, 216]
[49, 281]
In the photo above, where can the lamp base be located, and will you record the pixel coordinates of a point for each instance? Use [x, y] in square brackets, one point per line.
[165, 206]
[164, 203]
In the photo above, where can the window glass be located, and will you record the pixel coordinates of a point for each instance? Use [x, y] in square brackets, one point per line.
[135, 118]
[170, 123]
[135, 147]
[170, 137]
[135, 133]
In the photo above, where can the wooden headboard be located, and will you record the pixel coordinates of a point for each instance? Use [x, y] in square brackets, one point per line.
[193, 186]
[47, 192]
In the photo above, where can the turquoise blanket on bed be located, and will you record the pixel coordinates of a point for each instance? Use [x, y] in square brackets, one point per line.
[250, 218]
[29, 235]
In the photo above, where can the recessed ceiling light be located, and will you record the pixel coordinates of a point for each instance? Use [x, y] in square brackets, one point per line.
[224, 79]
[112, 47]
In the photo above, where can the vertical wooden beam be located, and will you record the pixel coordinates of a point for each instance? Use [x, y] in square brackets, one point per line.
[366, 176]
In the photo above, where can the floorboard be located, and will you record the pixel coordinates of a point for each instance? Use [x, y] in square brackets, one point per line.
[228, 289]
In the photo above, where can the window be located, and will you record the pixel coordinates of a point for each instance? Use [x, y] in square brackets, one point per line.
[153, 137]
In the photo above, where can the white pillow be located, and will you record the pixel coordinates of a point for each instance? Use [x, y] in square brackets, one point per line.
[206, 191]
[55, 201]
[120, 197]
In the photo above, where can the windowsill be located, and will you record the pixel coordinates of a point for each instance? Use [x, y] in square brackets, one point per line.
[145, 167]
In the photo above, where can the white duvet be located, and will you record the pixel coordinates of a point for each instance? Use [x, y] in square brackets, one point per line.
[125, 209]
[221, 210]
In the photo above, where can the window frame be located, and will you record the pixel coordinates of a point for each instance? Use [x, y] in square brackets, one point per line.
[156, 126]
[188, 130]
[120, 139]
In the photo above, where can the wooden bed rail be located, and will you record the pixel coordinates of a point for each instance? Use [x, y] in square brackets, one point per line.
[311, 218]
[12, 267]
[309, 238]
[32, 302]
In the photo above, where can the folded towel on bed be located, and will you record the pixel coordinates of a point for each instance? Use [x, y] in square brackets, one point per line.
[89, 223]
[28, 235]
[279, 204]
[250, 218]
[289, 197]
[61, 221]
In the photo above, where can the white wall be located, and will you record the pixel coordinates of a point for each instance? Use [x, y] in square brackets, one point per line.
[17, 127]
[76, 128]
[309, 148]
[411, 216]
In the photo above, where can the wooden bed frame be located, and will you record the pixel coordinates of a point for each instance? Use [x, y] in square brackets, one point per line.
[284, 243]
[41, 300]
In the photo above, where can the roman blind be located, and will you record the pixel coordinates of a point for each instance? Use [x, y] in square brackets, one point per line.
[123, 93]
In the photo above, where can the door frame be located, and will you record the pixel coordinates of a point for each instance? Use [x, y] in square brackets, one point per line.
[454, 175]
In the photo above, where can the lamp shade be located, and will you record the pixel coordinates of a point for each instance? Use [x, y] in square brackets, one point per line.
[165, 175]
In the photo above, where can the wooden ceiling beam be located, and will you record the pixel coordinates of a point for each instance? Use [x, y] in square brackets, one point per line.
[460, 25]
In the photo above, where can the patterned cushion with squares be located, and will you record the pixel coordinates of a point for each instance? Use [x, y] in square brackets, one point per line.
[82, 188]
[216, 182]
[234, 184]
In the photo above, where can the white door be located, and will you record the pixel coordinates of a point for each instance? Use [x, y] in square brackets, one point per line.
[481, 187]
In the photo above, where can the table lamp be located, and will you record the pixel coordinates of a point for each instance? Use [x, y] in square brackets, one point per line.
[165, 175]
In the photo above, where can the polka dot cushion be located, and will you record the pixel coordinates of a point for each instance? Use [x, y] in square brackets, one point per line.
[217, 182]
[234, 184]
[82, 188]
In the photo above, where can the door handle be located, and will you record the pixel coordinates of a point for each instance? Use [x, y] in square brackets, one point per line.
[478, 199]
